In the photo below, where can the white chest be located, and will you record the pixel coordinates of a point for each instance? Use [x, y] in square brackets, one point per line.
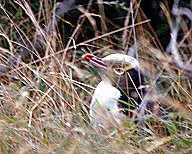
[104, 105]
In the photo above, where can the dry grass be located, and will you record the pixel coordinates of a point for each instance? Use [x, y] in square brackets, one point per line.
[44, 102]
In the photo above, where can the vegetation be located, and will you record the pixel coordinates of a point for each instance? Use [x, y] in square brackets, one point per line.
[46, 87]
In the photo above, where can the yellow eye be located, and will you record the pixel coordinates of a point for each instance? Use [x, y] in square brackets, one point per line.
[119, 71]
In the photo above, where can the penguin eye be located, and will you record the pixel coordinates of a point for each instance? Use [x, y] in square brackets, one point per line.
[119, 71]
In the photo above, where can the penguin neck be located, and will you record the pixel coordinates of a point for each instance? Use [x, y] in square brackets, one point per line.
[107, 79]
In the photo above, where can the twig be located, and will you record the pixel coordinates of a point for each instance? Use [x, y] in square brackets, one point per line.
[172, 47]
[178, 11]
[135, 42]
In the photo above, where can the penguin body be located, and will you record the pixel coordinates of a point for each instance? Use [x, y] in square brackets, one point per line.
[118, 95]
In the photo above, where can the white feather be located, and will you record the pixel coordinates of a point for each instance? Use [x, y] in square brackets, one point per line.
[104, 105]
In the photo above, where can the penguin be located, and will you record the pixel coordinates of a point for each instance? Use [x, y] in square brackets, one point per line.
[122, 92]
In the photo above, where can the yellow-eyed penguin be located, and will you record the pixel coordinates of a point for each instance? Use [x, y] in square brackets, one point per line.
[119, 95]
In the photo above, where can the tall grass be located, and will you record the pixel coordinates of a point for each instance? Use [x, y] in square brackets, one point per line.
[45, 95]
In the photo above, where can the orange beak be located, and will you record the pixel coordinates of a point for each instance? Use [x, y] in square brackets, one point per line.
[94, 60]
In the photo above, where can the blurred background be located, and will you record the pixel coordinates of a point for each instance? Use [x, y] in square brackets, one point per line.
[46, 86]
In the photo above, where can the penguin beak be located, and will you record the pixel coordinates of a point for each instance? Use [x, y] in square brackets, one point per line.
[95, 61]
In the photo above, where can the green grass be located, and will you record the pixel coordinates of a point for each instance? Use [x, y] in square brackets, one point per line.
[44, 103]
